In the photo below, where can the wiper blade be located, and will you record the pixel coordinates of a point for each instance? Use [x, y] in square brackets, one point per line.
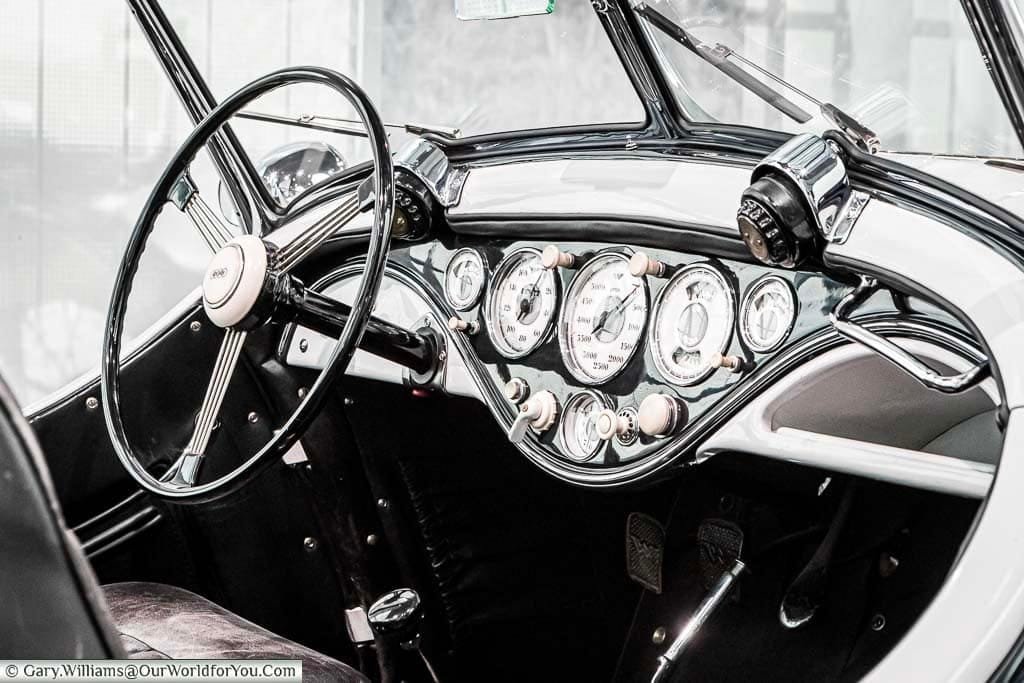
[718, 56]
[352, 127]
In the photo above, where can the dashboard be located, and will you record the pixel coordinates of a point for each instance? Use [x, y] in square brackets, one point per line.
[602, 356]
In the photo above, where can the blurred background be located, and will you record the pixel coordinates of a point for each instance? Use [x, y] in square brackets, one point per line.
[88, 120]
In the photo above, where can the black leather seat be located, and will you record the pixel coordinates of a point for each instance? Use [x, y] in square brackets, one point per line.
[54, 609]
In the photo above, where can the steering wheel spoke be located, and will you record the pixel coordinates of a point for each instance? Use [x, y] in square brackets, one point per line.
[301, 245]
[186, 469]
[186, 197]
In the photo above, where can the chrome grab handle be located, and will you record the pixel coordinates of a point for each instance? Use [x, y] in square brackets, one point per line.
[947, 384]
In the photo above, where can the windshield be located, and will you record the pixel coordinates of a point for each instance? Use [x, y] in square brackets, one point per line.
[910, 71]
[418, 62]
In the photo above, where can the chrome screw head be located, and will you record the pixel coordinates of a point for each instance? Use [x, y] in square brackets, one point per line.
[92, 403]
[658, 637]
[877, 622]
[253, 418]
[371, 539]
[309, 543]
[195, 326]
[382, 503]
[301, 393]
[303, 345]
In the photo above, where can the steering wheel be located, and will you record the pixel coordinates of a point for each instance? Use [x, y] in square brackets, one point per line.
[247, 285]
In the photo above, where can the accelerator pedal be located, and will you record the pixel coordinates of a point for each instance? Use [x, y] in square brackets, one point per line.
[720, 544]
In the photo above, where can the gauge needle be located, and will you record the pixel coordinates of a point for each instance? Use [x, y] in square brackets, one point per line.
[607, 314]
[526, 303]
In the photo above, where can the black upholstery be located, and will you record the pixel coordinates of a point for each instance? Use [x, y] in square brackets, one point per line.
[157, 621]
[54, 609]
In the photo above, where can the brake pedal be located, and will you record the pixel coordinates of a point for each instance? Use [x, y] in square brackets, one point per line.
[645, 549]
[719, 544]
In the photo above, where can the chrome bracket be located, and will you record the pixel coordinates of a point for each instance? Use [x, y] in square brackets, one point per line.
[840, 317]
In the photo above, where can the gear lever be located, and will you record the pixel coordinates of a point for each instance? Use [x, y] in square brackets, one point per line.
[397, 615]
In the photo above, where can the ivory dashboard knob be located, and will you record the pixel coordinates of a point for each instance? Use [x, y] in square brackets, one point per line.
[516, 390]
[457, 324]
[539, 412]
[552, 257]
[640, 264]
[610, 424]
[730, 363]
[660, 415]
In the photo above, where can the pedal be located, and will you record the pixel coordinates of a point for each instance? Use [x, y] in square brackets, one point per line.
[645, 549]
[720, 544]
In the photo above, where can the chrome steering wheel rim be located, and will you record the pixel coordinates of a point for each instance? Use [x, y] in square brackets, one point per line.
[376, 258]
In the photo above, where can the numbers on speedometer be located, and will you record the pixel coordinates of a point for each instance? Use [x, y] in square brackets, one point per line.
[603, 319]
[693, 320]
[521, 303]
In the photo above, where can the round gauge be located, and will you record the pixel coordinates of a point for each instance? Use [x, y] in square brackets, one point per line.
[767, 313]
[603, 319]
[464, 279]
[693, 320]
[578, 427]
[521, 303]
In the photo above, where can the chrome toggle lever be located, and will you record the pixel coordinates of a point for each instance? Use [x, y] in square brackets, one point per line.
[719, 592]
[947, 384]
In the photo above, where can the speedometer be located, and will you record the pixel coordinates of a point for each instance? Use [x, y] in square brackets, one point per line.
[603, 319]
[521, 303]
[693, 320]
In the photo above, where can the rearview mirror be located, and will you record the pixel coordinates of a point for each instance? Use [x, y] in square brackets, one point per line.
[471, 10]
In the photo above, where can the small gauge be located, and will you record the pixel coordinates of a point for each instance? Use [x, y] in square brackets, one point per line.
[578, 428]
[767, 313]
[603, 319]
[521, 303]
[693, 320]
[464, 279]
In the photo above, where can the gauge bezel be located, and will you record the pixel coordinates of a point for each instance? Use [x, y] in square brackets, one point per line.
[569, 405]
[500, 273]
[563, 344]
[747, 300]
[483, 285]
[652, 327]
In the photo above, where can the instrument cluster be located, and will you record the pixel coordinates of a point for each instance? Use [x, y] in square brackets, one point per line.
[636, 337]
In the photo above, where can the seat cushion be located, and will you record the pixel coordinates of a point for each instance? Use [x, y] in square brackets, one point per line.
[157, 621]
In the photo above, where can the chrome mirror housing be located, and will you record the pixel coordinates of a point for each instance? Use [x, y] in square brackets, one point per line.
[289, 170]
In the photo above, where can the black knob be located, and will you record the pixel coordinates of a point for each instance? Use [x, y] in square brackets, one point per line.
[773, 222]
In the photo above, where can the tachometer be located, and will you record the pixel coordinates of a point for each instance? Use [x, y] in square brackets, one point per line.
[521, 303]
[464, 279]
[603, 318]
[578, 428]
[693, 320]
[767, 313]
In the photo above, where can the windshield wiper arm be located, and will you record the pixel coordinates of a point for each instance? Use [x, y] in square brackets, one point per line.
[718, 56]
[352, 127]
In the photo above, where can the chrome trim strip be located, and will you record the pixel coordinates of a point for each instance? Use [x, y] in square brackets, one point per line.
[945, 265]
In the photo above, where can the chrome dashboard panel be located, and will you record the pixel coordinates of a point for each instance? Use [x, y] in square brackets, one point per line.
[655, 189]
[476, 369]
